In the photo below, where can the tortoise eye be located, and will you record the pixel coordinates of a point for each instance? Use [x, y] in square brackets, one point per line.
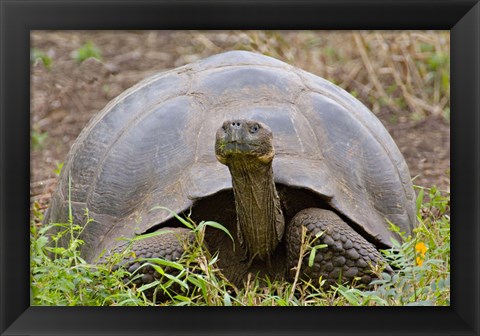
[254, 129]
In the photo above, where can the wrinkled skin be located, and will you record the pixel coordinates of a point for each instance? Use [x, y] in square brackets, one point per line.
[246, 147]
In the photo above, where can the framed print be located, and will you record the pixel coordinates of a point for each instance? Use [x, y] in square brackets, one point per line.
[239, 131]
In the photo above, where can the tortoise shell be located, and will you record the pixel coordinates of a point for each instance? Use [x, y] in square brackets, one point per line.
[153, 146]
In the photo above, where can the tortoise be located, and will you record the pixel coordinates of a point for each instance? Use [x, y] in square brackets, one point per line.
[248, 141]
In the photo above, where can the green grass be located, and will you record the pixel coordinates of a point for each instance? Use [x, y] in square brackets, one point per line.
[58, 168]
[86, 51]
[39, 56]
[37, 139]
[59, 275]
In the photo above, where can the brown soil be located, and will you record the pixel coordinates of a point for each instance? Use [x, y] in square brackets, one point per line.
[65, 96]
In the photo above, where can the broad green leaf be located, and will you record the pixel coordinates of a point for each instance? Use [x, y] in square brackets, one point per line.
[149, 235]
[313, 253]
[177, 280]
[419, 200]
[180, 219]
[218, 226]
[149, 285]
[160, 261]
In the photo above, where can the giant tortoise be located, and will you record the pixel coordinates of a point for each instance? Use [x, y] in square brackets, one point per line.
[248, 141]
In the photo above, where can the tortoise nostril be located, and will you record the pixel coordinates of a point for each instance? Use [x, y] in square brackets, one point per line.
[236, 124]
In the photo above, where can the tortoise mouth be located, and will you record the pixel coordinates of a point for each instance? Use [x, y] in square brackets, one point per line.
[237, 150]
[239, 147]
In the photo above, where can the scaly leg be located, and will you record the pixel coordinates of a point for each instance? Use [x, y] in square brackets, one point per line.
[347, 256]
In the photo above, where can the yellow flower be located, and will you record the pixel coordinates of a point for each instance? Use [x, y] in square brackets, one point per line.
[420, 250]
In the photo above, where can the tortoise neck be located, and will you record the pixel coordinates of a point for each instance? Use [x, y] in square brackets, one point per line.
[259, 216]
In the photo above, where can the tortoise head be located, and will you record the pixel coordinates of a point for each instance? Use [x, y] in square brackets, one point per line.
[244, 140]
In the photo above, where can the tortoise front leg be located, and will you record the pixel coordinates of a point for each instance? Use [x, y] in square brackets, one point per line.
[347, 255]
[168, 245]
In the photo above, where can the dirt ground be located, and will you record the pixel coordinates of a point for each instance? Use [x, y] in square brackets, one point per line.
[66, 93]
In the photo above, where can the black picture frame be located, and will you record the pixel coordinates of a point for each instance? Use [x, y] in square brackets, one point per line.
[19, 17]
